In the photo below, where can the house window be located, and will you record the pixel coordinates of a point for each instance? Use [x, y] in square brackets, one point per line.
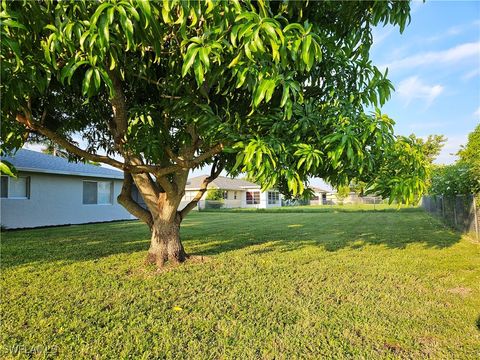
[273, 197]
[235, 195]
[189, 195]
[15, 188]
[225, 195]
[97, 192]
[253, 197]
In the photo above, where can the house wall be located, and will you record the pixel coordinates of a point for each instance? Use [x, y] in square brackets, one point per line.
[233, 199]
[58, 200]
[322, 199]
[263, 200]
[231, 202]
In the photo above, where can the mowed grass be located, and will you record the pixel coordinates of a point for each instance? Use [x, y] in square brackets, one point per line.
[365, 284]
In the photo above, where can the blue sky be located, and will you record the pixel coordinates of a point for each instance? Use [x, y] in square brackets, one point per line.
[435, 68]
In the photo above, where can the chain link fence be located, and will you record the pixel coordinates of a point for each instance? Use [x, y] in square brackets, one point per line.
[459, 212]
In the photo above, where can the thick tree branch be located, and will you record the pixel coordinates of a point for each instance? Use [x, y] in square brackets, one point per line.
[217, 168]
[125, 198]
[36, 126]
[189, 164]
[119, 109]
[165, 184]
[60, 140]
[149, 192]
[206, 155]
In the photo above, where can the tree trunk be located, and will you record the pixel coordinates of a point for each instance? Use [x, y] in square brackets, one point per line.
[165, 243]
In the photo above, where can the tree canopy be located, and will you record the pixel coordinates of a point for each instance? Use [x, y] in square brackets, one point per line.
[470, 153]
[462, 177]
[276, 90]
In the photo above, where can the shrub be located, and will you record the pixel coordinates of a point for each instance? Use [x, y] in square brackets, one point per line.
[214, 194]
[456, 179]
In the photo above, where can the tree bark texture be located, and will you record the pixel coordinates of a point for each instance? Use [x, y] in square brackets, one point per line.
[165, 244]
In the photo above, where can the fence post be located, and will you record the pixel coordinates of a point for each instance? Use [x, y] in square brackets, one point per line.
[455, 210]
[475, 217]
[443, 207]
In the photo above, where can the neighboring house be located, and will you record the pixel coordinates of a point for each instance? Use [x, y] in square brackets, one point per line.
[319, 196]
[236, 193]
[50, 190]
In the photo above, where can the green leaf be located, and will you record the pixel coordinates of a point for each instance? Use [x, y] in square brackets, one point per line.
[260, 92]
[285, 97]
[294, 26]
[198, 70]
[107, 81]
[166, 12]
[111, 13]
[235, 60]
[248, 52]
[103, 31]
[204, 57]
[113, 62]
[134, 12]
[86, 82]
[128, 25]
[269, 89]
[83, 38]
[12, 23]
[69, 69]
[189, 59]
[98, 12]
[96, 79]
[7, 168]
[306, 50]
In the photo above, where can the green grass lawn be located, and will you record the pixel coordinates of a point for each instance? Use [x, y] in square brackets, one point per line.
[337, 284]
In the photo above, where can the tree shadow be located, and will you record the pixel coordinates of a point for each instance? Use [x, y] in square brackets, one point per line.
[72, 243]
[332, 231]
[214, 233]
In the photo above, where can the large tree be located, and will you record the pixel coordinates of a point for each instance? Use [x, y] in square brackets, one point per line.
[470, 153]
[276, 90]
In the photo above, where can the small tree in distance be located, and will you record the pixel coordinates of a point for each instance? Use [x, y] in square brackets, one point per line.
[214, 194]
[276, 90]
[342, 193]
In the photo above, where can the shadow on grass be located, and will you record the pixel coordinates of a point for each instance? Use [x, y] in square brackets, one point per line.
[333, 230]
[219, 232]
[73, 243]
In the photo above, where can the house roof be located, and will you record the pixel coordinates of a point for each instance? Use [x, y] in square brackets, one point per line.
[33, 161]
[221, 182]
[318, 190]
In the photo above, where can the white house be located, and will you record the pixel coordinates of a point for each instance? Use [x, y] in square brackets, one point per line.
[237, 193]
[50, 190]
[320, 196]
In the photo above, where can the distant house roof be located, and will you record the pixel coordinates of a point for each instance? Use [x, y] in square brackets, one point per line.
[33, 161]
[221, 182]
[319, 190]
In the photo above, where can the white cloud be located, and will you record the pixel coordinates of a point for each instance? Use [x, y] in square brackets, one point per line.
[477, 112]
[423, 125]
[414, 88]
[380, 34]
[449, 56]
[448, 154]
[471, 74]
